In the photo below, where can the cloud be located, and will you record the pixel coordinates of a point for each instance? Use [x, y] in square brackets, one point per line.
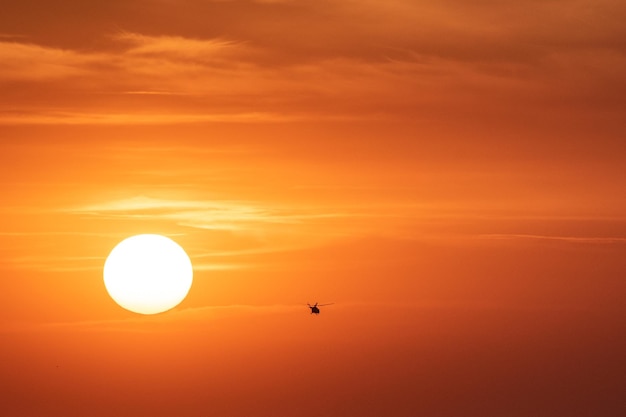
[569, 239]
[64, 263]
[214, 215]
[397, 59]
[177, 47]
[76, 118]
[244, 228]
[12, 36]
[223, 235]
[59, 263]
[29, 62]
[59, 233]
[179, 316]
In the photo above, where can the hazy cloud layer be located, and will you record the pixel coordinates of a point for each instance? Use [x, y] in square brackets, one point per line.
[267, 60]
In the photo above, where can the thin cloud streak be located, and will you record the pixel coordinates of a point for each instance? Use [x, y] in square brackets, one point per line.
[153, 323]
[96, 263]
[176, 47]
[570, 239]
[219, 267]
[215, 215]
[104, 118]
[57, 263]
[51, 63]
[61, 233]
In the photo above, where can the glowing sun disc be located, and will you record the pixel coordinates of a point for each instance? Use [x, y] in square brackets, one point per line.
[148, 274]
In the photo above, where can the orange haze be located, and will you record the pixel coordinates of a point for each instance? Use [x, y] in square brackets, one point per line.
[449, 174]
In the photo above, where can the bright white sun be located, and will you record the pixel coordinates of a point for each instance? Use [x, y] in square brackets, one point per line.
[148, 274]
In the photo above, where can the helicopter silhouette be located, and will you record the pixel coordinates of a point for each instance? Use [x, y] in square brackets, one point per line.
[315, 307]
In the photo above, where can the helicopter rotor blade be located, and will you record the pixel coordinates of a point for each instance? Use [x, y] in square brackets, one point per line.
[321, 305]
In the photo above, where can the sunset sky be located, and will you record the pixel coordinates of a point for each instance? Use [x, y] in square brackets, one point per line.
[451, 175]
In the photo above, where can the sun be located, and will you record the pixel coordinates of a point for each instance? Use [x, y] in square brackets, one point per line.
[148, 274]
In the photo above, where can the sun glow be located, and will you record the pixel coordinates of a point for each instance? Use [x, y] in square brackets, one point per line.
[148, 274]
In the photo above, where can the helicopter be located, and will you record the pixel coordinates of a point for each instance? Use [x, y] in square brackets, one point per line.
[315, 307]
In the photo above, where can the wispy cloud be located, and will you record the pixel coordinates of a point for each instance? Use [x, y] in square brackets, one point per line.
[11, 36]
[59, 263]
[105, 118]
[422, 56]
[208, 51]
[64, 263]
[218, 235]
[18, 62]
[242, 228]
[60, 233]
[569, 239]
[214, 215]
[181, 317]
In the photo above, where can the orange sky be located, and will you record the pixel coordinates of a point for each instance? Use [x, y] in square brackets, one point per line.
[449, 174]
